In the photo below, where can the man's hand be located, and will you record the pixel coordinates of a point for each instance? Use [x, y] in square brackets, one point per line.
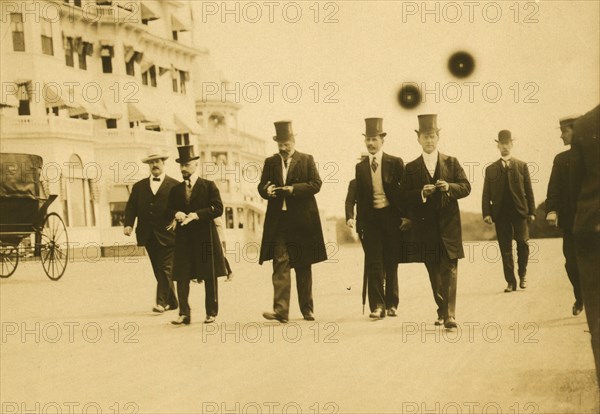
[180, 216]
[552, 218]
[488, 219]
[531, 218]
[288, 189]
[351, 223]
[406, 224]
[271, 189]
[442, 185]
[171, 227]
[190, 217]
[428, 189]
[127, 230]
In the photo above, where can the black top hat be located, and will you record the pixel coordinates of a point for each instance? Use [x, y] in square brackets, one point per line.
[374, 127]
[283, 131]
[427, 123]
[186, 154]
[504, 136]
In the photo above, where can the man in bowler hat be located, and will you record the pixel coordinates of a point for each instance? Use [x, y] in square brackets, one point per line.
[292, 235]
[560, 208]
[379, 213]
[193, 205]
[508, 202]
[431, 186]
[148, 203]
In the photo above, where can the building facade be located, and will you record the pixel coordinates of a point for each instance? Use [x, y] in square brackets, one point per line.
[91, 86]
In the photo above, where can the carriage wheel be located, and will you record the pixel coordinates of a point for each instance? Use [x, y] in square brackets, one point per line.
[9, 259]
[54, 246]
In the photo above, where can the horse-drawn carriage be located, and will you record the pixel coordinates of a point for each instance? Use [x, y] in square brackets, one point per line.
[26, 228]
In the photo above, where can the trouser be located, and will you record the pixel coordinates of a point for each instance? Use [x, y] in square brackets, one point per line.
[211, 302]
[282, 275]
[509, 225]
[381, 239]
[161, 258]
[588, 261]
[570, 254]
[443, 277]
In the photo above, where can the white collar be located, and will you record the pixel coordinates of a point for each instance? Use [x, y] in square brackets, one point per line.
[160, 177]
[506, 159]
[433, 157]
[377, 155]
[289, 156]
[193, 178]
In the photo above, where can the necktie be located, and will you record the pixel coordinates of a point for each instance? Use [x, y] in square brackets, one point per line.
[374, 164]
[188, 191]
[155, 179]
[505, 163]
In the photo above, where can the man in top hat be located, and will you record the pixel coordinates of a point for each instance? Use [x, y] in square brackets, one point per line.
[585, 186]
[193, 204]
[560, 208]
[148, 203]
[292, 235]
[508, 202]
[379, 213]
[431, 186]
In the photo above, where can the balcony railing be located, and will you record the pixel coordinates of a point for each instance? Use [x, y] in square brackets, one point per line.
[44, 125]
[133, 136]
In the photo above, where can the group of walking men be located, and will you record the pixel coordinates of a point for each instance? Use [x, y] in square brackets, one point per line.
[404, 213]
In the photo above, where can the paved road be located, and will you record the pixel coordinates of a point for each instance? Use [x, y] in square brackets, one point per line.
[89, 342]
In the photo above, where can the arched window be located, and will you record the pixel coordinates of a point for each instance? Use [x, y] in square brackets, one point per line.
[79, 198]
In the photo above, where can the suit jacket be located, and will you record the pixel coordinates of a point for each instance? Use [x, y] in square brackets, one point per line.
[149, 209]
[351, 202]
[519, 183]
[435, 225]
[198, 251]
[585, 172]
[305, 235]
[558, 197]
[391, 173]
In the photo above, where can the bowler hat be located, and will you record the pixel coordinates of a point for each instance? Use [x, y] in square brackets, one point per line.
[567, 120]
[155, 154]
[283, 131]
[504, 136]
[374, 127]
[427, 123]
[186, 154]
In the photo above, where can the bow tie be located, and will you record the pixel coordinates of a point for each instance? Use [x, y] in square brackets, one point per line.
[155, 179]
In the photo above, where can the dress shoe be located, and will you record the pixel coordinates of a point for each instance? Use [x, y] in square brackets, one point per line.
[523, 283]
[210, 319]
[450, 323]
[309, 316]
[183, 319]
[439, 321]
[377, 314]
[510, 288]
[392, 312]
[272, 316]
[159, 309]
[577, 308]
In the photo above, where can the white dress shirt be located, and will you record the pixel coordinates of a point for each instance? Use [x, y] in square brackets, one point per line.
[506, 161]
[155, 185]
[284, 173]
[431, 161]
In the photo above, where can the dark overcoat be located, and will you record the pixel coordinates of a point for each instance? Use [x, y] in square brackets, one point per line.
[434, 225]
[305, 236]
[198, 251]
[558, 197]
[150, 211]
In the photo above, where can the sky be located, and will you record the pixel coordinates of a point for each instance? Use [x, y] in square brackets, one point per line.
[535, 62]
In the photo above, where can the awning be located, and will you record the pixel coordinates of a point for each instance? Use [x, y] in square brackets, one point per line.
[150, 10]
[96, 109]
[10, 97]
[186, 124]
[55, 95]
[139, 113]
[114, 109]
[118, 194]
[178, 24]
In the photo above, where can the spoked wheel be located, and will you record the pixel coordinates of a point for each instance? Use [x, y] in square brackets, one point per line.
[54, 246]
[9, 259]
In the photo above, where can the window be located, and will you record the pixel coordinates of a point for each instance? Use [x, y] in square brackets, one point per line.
[228, 217]
[149, 76]
[240, 216]
[175, 34]
[175, 74]
[24, 107]
[52, 110]
[47, 46]
[78, 3]
[81, 195]
[111, 123]
[18, 33]
[106, 54]
[129, 68]
[183, 77]
[84, 50]
[183, 139]
[68, 46]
